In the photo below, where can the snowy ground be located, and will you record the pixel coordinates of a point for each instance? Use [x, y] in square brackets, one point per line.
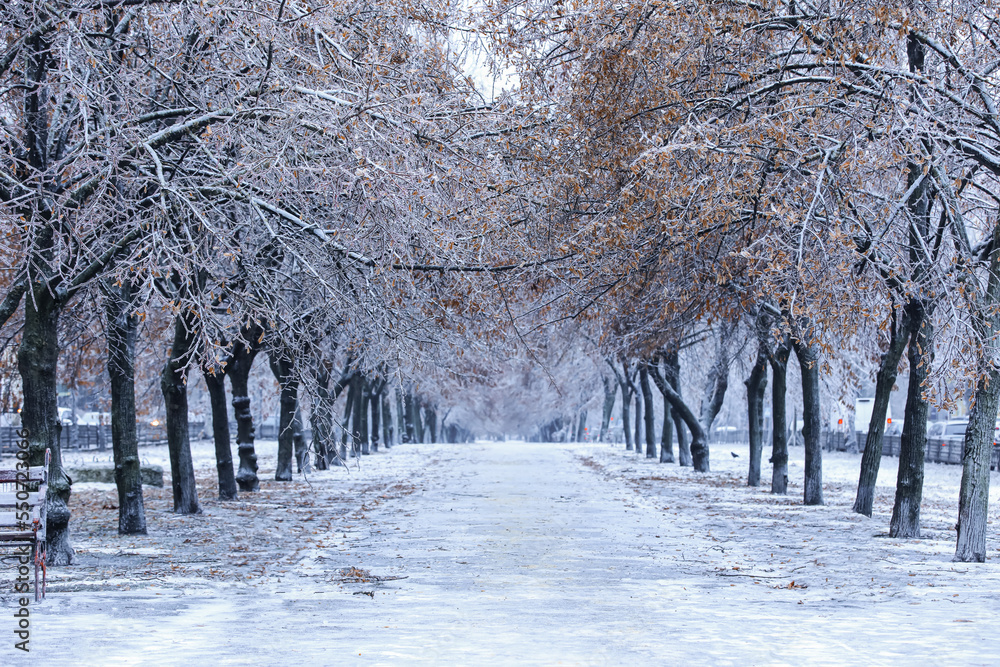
[514, 553]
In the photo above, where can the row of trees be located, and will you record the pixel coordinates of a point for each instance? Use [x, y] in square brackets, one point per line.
[273, 177]
[328, 185]
[824, 173]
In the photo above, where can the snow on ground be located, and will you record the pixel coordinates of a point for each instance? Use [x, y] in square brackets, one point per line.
[514, 553]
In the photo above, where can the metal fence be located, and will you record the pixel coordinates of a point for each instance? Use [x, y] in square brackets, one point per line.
[940, 450]
[92, 437]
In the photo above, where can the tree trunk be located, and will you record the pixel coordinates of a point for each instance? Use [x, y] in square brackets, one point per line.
[637, 432]
[215, 380]
[715, 394]
[756, 384]
[808, 355]
[345, 430]
[361, 425]
[400, 415]
[299, 440]
[321, 418]
[37, 361]
[779, 436]
[173, 383]
[281, 367]
[673, 378]
[121, 334]
[667, 434]
[376, 408]
[409, 429]
[431, 424]
[974, 493]
[905, 522]
[387, 422]
[627, 417]
[357, 412]
[610, 392]
[698, 436]
[581, 429]
[418, 421]
[647, 401]
[884, 382]
[240, 363]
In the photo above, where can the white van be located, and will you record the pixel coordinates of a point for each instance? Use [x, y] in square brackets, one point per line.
[863, 409]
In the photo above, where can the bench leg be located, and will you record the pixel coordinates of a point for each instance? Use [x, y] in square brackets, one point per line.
[34, 552]
[39, 552]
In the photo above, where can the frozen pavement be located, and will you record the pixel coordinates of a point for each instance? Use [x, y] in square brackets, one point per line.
[514, 553]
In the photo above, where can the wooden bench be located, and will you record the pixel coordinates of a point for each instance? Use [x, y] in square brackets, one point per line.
[22, 521]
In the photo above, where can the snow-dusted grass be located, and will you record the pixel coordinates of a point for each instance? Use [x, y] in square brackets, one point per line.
[514, 553]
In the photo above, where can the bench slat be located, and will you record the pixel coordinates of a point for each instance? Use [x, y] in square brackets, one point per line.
[10, 518]
[17, 536]
[12, 533]
[13, 476]
[10, 499]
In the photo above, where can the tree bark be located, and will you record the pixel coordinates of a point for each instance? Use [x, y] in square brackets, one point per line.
[779, 436]
[387, 434]
[672, 370]
[418, 420]
[321, 418]
[884, 382]
[345, 431]
[627, 417]
[637, 432]
[647, 400]
[667, 434]
[240, 363]
[299, 440]
[974, 492]
[808, 356]
[409, 429]
[361, 415]
[714, 394]
[756, 384]
[215, 380]
[400, 415]
[37, 360]
[376, 418]
[698, 435]
[610, 392]
[281, 367]
[173, 383]
[431, 425]
[905, 522]
[122, 328]
[357, 412]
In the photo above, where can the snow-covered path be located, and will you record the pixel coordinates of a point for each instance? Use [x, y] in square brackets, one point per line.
[518, 553]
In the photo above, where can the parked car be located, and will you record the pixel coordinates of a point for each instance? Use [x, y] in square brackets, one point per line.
[935, 430]
[948, 447]
[66, 416]
[955, 428]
